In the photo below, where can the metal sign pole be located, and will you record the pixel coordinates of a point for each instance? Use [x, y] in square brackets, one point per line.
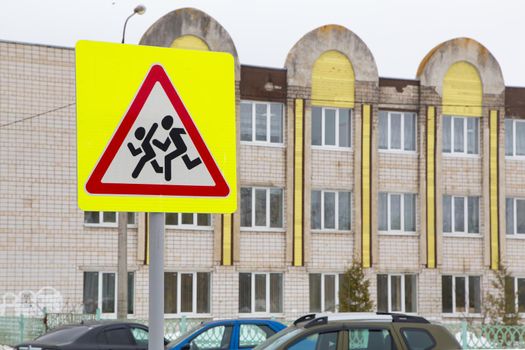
[156, 281]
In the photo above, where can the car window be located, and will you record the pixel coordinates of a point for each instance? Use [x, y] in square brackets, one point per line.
[118, 336]
[251, 335]
[64, 335]
[276, 340]
[370, 339]
[215, 338]
[418, 339]
[316, 341]
[140, 335]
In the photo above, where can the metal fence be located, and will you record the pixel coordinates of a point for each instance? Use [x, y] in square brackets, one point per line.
[15, 330]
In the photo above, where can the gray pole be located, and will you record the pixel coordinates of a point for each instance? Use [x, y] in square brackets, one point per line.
[156, 281]
[122, 266]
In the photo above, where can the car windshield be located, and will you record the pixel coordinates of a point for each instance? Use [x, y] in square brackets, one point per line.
[184, 335]
[62, 336]
[279, 338]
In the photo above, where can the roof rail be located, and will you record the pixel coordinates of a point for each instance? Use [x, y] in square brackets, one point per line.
[304, 318]
[317, 321]
[396, 317]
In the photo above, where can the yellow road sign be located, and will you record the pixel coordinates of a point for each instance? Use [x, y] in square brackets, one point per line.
[155, 129]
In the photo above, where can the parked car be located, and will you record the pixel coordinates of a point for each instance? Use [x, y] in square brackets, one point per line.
[362, 331]
[100, 335]
[227, 335]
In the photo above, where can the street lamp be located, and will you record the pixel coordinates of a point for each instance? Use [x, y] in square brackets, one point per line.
[122, 256]
[139, 10]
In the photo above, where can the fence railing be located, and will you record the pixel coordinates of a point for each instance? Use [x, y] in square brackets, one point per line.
[14, 330]
[479, 336]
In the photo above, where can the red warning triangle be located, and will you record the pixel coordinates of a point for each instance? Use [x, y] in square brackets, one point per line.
[164, 169]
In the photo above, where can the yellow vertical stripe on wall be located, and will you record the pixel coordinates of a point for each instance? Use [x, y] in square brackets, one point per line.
[462, 90]
[227, 239]
[298, 184]
[365, 180]
[431, 190]
[494, 217]
[190, 42]
[333, 81]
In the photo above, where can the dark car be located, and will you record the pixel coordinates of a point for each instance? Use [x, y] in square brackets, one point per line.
[362, 331]
[227, 335]
[100, 335]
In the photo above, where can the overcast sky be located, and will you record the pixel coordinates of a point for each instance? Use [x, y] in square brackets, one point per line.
[398, 32]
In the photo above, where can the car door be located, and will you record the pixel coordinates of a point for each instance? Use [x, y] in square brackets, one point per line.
[140, 336]
[214, 338]
[249, 335]
[116, 337]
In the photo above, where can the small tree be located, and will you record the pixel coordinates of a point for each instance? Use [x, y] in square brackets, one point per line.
[499, 306]
[354, 295]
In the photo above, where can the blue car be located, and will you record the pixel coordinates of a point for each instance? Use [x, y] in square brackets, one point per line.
[227, 335]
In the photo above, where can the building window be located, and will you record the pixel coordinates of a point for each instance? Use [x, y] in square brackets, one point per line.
[105, 218]
[262, 122]
[331, 127]
[331, 210]
[262, 207]
[461, 294]
[397, 212]
[100, 292]
[460, 214]
[514, 138]
[187, 292]
[188, 220]
[515, 216]
[397, 131]
[324, 291]
[260, 292]
[514, 294]
[460, 135]
[396, 293]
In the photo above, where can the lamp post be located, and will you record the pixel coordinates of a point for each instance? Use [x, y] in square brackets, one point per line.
[122, 258]
[139, 10]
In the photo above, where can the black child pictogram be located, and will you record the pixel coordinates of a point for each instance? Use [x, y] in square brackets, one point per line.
[146, 148]
[175, 137]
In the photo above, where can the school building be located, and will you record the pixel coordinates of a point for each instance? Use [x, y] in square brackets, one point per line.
[421, 180]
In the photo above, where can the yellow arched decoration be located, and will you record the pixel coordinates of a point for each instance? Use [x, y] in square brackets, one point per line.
[190, 42]
[462, 91]
[333, 81]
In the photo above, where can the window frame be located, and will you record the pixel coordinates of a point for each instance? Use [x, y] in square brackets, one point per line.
[465, 233]
[516, 295]
[514, 156]
[465, 153]
[267, 227]
[100, 298]
[389, 149]
[194, 292]
[455, 313]
[515, 234]
[267, 295]
[336, 215]
[403, 284]
[194, 226]
[401, 231]
[335, 147]
[322, 295]
[102, 223]
[268, 141]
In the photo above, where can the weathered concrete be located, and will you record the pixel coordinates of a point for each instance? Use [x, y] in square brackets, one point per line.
[305, 52]
[190, 21]
[436, 63]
